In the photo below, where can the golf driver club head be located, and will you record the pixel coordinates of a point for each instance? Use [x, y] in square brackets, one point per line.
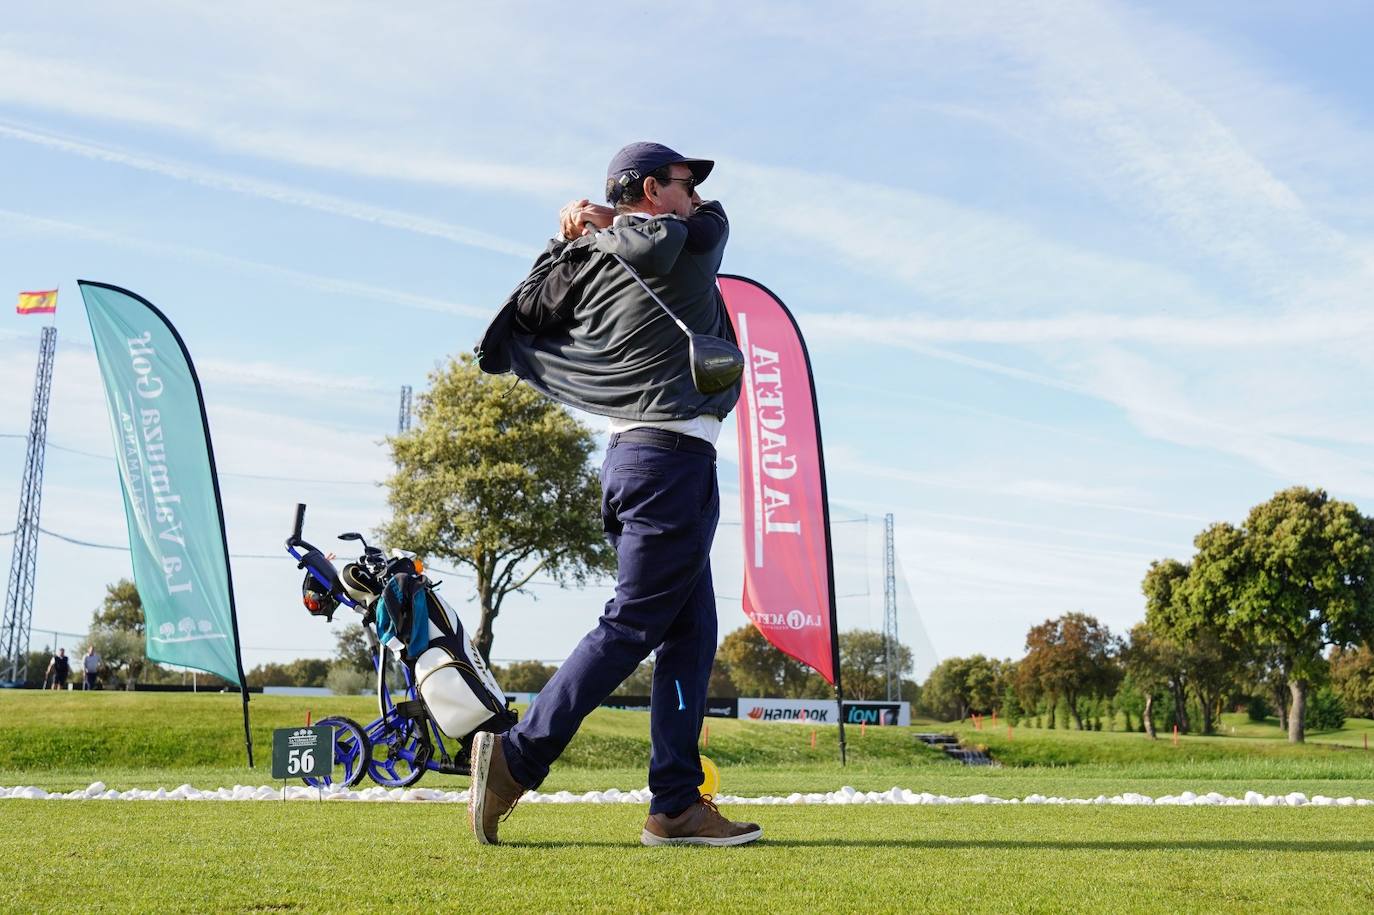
[716, 363]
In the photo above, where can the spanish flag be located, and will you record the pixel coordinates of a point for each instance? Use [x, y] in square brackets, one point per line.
[37, 303]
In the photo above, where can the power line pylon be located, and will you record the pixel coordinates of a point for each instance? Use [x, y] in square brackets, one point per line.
[403, 423]
[14, 633]
[890, 644]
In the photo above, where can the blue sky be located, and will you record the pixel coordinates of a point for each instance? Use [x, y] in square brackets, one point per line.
[1078, 278]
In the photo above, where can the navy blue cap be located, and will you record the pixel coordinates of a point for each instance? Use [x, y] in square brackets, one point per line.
[639, 159]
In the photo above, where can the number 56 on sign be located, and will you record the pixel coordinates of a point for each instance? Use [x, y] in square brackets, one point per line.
[306, 752]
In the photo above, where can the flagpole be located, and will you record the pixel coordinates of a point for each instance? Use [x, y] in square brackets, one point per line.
[223, 535]
[830, 580]
[829, 549]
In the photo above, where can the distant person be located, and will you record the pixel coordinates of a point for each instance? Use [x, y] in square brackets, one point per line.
[90, 666]
[59, 668]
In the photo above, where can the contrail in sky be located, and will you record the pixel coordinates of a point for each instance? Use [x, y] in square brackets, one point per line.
[268, 190]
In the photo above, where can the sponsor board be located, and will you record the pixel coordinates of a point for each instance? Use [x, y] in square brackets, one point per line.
[880, 714]
[796, 711]
[822, 711]
[722, 708]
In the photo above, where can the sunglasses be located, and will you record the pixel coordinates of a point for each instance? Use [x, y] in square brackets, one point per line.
[688, 183]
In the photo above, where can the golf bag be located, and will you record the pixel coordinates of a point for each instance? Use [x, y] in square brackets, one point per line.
[449, 674]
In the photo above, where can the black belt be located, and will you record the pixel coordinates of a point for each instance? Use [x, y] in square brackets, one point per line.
[662, 438]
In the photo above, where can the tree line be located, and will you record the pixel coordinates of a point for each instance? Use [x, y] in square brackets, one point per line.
[117, 634]
[1275, 615]
[1272, 611]
[747, 665]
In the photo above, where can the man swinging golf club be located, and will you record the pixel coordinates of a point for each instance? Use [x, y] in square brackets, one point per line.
[598, 324]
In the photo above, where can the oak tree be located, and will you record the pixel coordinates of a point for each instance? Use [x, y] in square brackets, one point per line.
[1299, 578]
[759, 669]
[1073, 657]
[495, 477]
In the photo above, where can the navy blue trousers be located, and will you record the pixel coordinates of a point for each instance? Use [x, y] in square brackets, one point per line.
[660, 506]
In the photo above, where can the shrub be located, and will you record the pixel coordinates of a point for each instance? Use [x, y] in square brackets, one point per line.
[1257, 709]
[345, 681]
[1352, 678]
[1325, 711]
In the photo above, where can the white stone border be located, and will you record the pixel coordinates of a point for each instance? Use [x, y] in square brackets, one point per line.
[844, 796]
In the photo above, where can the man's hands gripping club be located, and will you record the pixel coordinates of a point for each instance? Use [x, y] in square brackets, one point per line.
[582, 217]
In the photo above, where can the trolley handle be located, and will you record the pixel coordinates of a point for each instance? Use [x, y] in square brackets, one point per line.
[312, 560]
[295, 541]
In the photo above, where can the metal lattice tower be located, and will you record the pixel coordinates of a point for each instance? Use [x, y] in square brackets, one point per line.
[403, 423]
[14, 634]
[890, 643]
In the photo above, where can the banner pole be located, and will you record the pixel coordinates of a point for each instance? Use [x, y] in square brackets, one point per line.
[834, 633]
[228, 574]
[223, 534]
[247, 733]
[829, 549]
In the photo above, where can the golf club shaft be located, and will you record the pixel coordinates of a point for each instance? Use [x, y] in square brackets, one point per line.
[645, 286]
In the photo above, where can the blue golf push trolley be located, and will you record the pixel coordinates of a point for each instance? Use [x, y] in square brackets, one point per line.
[449, 694]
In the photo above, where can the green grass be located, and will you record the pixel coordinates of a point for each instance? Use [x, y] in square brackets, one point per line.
[304, 856]
[62, 741]
[336, 857]
[1338, 755]
[1355, 733]
[66, 732]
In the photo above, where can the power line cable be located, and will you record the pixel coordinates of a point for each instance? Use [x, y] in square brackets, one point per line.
[76, 541]
[467, 576]
[73, 540]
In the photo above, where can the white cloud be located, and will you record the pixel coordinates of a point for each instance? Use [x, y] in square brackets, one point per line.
[1165, 404]
[1165, 153]
[363, 291]
[258, 111]
[957, 257]
[1290, 330]
[842, 460]
[274, 191]
[247, 440]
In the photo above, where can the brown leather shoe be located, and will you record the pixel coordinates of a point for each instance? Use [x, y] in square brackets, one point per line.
[494, 791]
[699, 824]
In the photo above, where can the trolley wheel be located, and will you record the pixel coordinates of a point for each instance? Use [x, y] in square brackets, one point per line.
[352, 750]
[399, 755]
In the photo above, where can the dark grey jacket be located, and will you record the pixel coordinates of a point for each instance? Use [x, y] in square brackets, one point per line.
[582, 331]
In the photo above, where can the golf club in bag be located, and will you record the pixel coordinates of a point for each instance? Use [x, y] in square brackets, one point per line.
[449, 694]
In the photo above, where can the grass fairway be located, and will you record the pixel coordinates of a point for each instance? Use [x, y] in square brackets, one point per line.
[61, 741]
[218, 856]
[301, 856]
